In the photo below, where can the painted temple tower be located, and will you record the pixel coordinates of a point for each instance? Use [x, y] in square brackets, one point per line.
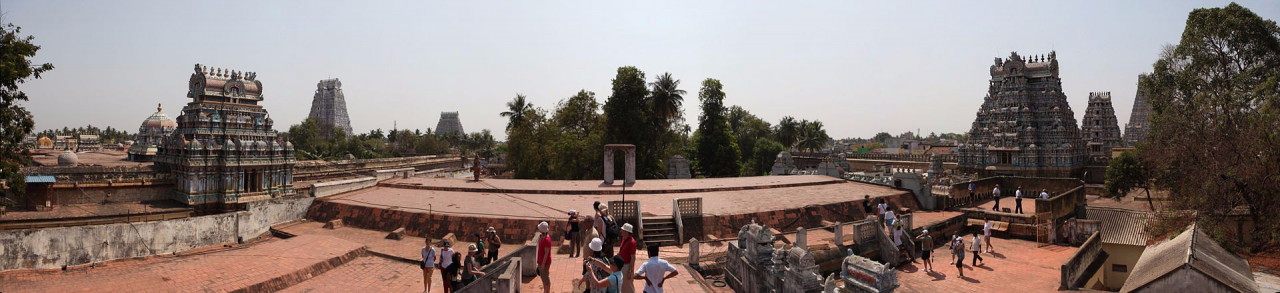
[1100, 129]
[329, 107]
[449, 124]
[224, 152]
[1025, 126]
[151, 135]
[1136, 130]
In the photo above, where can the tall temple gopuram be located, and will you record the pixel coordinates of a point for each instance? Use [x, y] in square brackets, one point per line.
[449, 124]
[1136, 129]
[329, 106]
[1025, 126]
[1100, 129]
[224, 152]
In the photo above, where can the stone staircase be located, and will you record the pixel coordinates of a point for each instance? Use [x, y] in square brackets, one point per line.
[660, 231]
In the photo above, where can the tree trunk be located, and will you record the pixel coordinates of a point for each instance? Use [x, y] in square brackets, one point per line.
[1149, 202]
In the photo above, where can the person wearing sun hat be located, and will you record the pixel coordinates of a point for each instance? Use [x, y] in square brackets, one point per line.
[544, 256]
[596, 264]
[470, 270]
[447, 267]
[628, 253]
[494, 242]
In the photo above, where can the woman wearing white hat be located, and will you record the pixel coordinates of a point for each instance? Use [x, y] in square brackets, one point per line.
[544, 256]
[470, 270]
[596, 264]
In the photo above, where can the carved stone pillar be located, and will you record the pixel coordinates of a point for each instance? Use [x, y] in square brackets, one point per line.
[608, 166]
[630, 167]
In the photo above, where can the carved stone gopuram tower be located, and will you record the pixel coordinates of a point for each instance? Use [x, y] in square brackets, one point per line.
[1100, 129]
[1136, 129]
[1025, 126]
[224, 153]
[329, 106]
[449, 124]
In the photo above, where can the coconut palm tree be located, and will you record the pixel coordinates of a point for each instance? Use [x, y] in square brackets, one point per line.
[788, 129]
[667, 98]
[516, 109]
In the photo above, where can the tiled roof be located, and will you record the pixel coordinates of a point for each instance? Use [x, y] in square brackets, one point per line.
[1191, 250]
[1120, 226]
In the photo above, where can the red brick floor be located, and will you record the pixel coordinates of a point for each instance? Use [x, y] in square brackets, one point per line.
[224, 270]
[409, 248]
[1028, 204]
[565, 272]
[639, 186]
[1016, 266]
[368, 274]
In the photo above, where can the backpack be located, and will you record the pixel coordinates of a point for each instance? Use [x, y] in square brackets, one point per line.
[610, 229]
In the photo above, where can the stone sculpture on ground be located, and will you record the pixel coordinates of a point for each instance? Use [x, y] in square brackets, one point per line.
[678, 168]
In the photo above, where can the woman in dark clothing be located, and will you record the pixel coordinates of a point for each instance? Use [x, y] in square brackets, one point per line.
[575, 244]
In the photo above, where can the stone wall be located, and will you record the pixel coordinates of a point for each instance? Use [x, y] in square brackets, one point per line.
[97, 173]
[50, 248]
[324, 189]
[315, 170]
[423, 224]
[82, 195]
[726, 226]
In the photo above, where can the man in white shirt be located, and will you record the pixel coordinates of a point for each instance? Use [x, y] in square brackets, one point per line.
[655, 271]
[1017, 200]
[1044, 193]
[995, 193]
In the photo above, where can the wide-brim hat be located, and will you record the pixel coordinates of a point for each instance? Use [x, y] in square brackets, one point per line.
[544, 227]
[627, 227]
[445, 243]
[596, 244]
[490, 230]
[472, 248]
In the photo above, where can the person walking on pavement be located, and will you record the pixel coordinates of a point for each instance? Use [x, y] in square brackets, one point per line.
[866, 205]
[655, 272]
[951, 245]
[428, 265]
[544, 256]
[958, 250]
[995, 193]
[972, 186]
[1017, 200]
[976, 248]
[628, 253]
[883, 208]
[926, 249]
[481, 259]
[986, 235]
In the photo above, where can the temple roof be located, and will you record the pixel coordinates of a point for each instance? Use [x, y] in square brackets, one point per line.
[159, 120]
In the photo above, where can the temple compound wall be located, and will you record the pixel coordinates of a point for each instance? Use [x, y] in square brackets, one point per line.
[50, 248]
[1025, 126]
[224, 151]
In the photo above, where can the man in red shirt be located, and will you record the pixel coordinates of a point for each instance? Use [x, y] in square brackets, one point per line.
[628, 253]
[544, 256]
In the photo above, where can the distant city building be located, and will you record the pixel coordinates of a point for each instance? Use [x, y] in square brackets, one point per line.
[1136, 130]
[151, 134]
[449, 124]
[44, 143]
[224, 151]
[329, 106]
[88, 143]
[1025, 126]
[1100, 129]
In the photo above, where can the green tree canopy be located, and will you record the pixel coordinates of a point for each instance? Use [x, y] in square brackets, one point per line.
[1215, 110]
[628, 120]
[717, 148]
[15, 121]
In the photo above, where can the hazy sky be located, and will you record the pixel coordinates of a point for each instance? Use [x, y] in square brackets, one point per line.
[860, 67]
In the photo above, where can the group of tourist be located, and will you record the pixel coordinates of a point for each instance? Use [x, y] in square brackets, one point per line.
[459, 268]
[1017, 197]
[593, 238]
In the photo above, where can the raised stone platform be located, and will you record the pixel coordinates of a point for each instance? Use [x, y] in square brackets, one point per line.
[435, 207]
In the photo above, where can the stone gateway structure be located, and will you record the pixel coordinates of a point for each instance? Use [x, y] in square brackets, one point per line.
[1100, 130]
[329, 106]
[449, 124]
[224, 152]
[629, 170]
[1025, 126]
[1136, 129]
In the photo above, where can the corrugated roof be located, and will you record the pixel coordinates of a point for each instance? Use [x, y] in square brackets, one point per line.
[41, 179]
[1196, 250]
[1120, 226]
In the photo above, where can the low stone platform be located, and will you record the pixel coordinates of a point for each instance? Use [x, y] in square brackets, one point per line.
[268, 266]
[1015, 266]
[778, 201]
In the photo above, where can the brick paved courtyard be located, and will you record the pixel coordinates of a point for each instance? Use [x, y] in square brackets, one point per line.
[1015, 266]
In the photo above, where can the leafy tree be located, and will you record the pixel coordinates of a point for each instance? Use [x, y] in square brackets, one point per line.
[788, 131]
[15, 122]
[579, 130]
[1126, 173]
[666, 97]
[1215, 110]
[747, 128]
[717, 148]
[881, 137]
[812, 137]
[761, 160]
[628, 117]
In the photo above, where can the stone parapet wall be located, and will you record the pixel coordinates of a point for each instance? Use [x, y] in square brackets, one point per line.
[314, 170]
[83, 195]
[50, 248]
[98, 173]
[325, 189]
